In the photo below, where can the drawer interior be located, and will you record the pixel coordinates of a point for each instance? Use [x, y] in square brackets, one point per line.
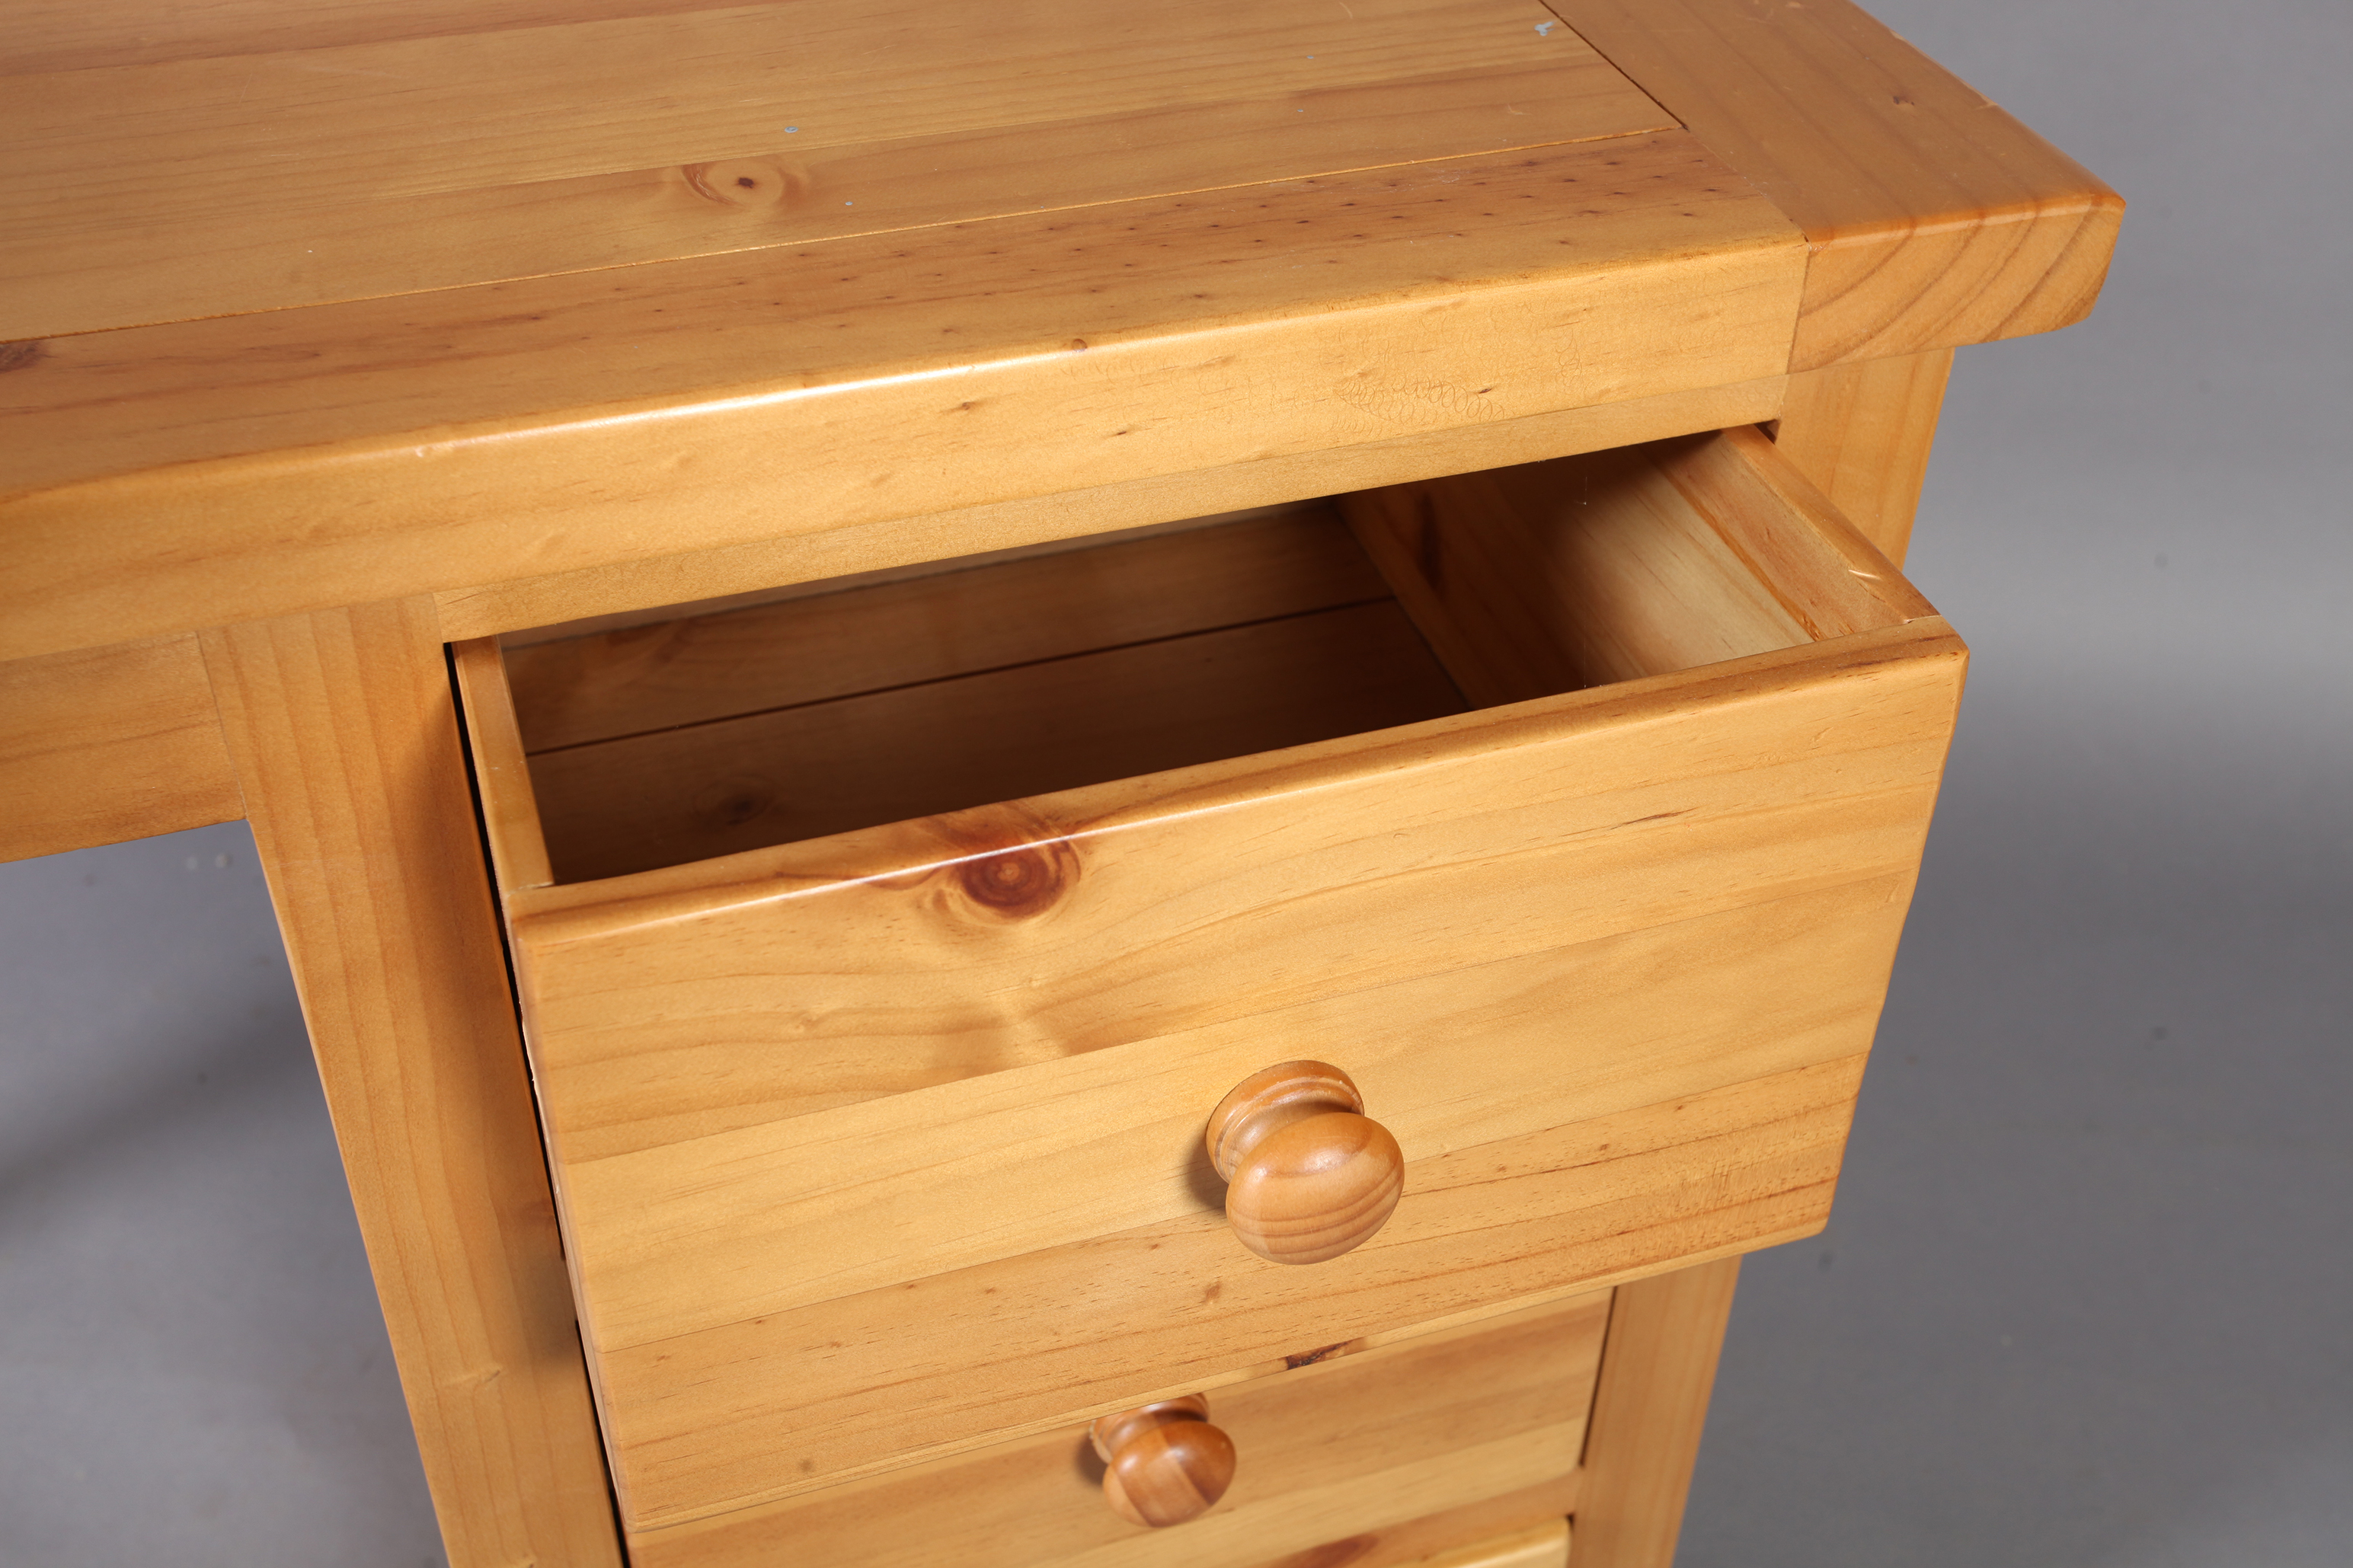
[980, 681]
[847, 704]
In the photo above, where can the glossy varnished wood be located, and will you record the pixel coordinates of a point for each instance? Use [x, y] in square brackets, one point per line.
[345, 453]
[1561, 575]
[511, 817]
[1308, 1175]
[334, 171]
[1626, 563]
[1397, 1454]
[344, 735]
[1658, 1367]
[1544, 1546]
[1163, 1464]
[719, 1417]
[628, 804]
[1486, 1534]
[701, 376]
[936, 624]
[980, 682]
[1933, 218]
[680, 385]
[882, 1017]
[104, 744]
[1822, 569]
[1861, 431]
[759, 566]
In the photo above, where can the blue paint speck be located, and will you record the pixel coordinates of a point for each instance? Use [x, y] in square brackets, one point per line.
[1544, 30]
[792, 130]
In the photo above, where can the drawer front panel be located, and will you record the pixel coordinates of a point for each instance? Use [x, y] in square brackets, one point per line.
[1382, 1457]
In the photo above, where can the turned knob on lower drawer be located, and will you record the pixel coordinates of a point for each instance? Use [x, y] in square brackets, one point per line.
[1308, 1175]
[1163, 1464]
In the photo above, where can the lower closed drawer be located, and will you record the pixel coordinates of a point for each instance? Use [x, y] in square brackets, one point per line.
[1598, 793]
[1383, 1455]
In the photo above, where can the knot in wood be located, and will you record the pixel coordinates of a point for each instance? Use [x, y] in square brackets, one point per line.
[747, 181]
[1019, 882]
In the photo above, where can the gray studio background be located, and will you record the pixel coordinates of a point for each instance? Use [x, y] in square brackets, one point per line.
[2087, 1296]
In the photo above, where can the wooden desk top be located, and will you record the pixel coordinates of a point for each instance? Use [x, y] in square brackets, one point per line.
[312, 306]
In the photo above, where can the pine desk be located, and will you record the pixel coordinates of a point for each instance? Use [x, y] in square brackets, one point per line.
[336, 339]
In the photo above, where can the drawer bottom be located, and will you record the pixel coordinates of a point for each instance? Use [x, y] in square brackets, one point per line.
[1390, 1456]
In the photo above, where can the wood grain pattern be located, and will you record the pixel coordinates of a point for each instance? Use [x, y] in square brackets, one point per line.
[685, 670]
[64, 35]
[110, 743]
[624, 965]
[335, 174]
[763, 384]
[713, 789]
[342, 453]
[510, 808]
[676, 336]
[1615, 565]
[78, 35]
[1830, 579]
[1564, 575]
[1163, 1464]
[1751, 1005]
[1497, 1527]
[1481, 1428]
[1657, 1368]
[760, 566]
[1308, 1175]
[793, 1214]
[984, 683]
[729, 1418]
[1933, 217]
[345, 739]
[1544, 1546]
[1861, 431]
[761, 1074]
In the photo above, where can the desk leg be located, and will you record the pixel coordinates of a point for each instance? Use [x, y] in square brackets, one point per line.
[1861, 431]
[345, 737]
[1658, 1363]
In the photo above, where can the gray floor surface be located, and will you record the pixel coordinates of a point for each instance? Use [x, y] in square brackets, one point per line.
[2087, 1294]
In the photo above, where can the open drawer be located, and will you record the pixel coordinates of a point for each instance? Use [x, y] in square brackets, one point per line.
[883, 951]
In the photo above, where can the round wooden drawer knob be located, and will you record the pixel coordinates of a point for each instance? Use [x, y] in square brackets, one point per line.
[1308, 1175]
[1163, 1464]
